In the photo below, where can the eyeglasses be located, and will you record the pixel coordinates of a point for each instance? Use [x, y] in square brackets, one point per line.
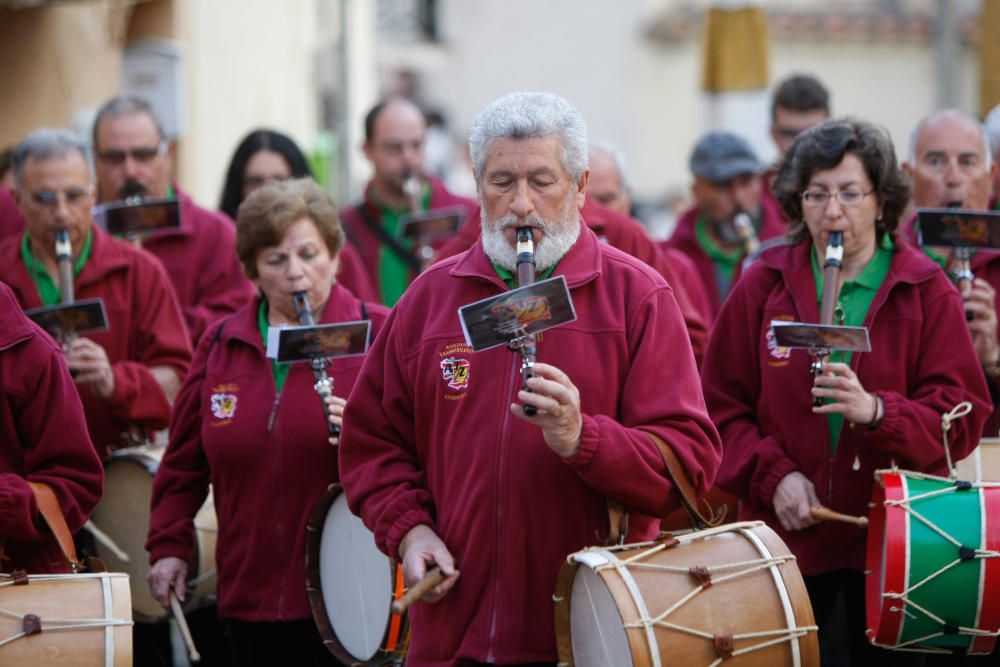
[72, 196]
[848, 197]
[142, 155]
[254, 182]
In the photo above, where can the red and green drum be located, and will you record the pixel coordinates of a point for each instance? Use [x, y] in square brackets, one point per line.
[933, 564]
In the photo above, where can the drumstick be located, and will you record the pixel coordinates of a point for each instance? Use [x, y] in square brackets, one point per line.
[106, 540]
[824, 514]
[175, 607]
[433, 577]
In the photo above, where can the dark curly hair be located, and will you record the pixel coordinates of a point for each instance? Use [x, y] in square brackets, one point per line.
[258, 140]
[824, 147]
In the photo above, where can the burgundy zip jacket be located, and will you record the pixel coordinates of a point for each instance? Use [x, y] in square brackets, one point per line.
[145, 328]
[43, 438]
[429, 439]
[922, 365]
[266, 455]
[200, 258]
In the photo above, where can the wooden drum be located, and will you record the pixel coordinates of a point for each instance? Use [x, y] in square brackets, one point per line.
[123, 514]
[731, 594]
[83, 619]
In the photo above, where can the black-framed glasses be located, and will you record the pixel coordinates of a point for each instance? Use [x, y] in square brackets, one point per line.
[849, 197]
[143, 154]
[51, 198]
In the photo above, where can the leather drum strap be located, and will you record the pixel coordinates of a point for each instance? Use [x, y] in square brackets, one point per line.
[618, 518]
[48, 506]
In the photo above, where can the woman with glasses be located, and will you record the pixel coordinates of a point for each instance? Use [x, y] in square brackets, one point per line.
[268, 155]
[783, 456]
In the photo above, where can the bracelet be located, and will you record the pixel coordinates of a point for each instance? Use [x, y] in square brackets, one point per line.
[876, 418]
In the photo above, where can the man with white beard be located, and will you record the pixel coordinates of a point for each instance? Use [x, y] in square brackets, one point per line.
[438, 455]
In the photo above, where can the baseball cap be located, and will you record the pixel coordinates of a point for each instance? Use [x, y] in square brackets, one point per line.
[719, 156]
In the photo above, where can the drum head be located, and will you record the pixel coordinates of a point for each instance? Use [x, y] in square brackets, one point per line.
[356, 582]
[596, 625]
[123, 513]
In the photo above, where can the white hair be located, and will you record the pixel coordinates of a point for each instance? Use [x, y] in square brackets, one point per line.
[957, 115]
[49, 144]
[529, 116]
[616, 154]
[992, 125]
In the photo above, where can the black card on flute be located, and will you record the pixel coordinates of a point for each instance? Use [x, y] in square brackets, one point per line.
[820, 336]
[150, 215]
[323, 341]
[525, 310]
[77, 317]
[432, 225]
[959, 227]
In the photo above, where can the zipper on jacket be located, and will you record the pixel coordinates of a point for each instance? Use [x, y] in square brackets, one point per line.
[274, 411]
[514, 375]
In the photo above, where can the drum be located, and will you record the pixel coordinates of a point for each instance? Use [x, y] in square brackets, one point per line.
[351, 586]
[933, 563]
[123, 514]
[730, 594]
[85, 619]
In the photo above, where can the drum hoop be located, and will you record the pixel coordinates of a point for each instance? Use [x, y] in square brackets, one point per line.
[640, 603]
[779, 584]
[314, 587]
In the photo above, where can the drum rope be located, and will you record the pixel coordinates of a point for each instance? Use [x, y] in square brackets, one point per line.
[71, 624]
[960, 630]
[957, 412]
[743, 568]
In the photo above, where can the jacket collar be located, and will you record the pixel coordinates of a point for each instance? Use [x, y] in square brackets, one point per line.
[14, 325]
[909, 265]
[580, 265]
[341, 306]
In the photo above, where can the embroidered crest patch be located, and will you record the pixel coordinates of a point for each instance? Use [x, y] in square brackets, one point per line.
[455, 372]
[223, 406]
[779, 355]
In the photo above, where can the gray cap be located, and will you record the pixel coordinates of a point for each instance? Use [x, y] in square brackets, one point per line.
[719, 156]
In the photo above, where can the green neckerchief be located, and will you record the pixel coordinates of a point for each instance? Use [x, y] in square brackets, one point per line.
[393, 272]
[853, 303]
[725, 261]
[47, 288]
[510, 279]
[171, 194]
[280, 370]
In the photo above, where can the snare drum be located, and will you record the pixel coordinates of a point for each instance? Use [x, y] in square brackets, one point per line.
[351, 586]
[123, 514]
[85, 619]
[731, 594]
[933, 563]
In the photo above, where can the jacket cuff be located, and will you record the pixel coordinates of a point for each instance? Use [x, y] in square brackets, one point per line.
[170, 551]
[776, 472]
[125, 391]
[590, 434]
[889, 427]
[401, 526]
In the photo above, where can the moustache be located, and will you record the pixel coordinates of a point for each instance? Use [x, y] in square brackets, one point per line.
[512, 221]
[132, 188]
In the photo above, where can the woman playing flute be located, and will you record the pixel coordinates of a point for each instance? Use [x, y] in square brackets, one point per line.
[256, 430]
[783, 455]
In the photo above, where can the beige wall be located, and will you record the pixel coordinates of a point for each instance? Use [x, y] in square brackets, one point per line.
[57, 62]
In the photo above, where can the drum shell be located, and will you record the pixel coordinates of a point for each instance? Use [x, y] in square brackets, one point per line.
[76, 596]
[902, 549]
[395, 638]
[746, 604]
[124, 514]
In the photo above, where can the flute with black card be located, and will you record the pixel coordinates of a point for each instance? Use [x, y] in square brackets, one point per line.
[832, 263]
[526, 343]
[324, 383]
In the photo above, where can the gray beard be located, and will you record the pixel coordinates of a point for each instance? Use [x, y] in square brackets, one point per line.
[557, 238]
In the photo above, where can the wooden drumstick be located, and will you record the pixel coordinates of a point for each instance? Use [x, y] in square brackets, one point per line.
[175, 606]
[106, 540]
[824, 514]
[433, 577]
